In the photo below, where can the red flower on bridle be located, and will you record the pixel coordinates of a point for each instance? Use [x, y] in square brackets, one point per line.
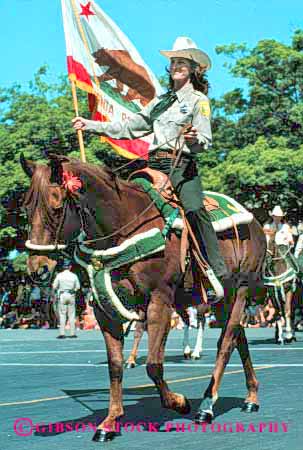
[70, 182]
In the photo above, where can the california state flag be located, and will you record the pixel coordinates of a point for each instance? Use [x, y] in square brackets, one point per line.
[102, 61]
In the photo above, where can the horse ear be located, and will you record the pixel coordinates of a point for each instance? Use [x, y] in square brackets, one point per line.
[55, 163]
[58, 158]
[28, 166]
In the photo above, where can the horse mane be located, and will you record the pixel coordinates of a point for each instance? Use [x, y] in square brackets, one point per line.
[103, 173]
[36, 197]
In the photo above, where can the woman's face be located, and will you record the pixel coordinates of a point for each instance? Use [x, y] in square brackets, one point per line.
[180, 69]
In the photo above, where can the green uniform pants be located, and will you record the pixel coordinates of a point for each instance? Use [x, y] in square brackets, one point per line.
[187, 184]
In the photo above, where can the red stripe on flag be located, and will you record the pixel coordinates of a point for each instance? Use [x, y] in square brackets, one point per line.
[98, 116]
[134, 147]
[76, 68]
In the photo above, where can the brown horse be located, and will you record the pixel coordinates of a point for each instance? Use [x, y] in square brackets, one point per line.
[281, 277]
[109, 211]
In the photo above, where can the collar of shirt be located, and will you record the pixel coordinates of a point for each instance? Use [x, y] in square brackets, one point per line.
[184, 91]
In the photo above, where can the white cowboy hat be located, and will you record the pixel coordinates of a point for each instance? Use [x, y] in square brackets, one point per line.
[277, 211]
[184, 47]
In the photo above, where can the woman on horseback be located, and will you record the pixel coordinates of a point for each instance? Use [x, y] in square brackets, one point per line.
[183, 109]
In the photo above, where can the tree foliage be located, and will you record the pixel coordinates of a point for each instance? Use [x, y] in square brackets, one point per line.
[258, 131]
[35, 121]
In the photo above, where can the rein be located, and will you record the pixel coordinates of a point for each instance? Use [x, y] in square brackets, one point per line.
[184, 128]
[277, 258]
[178, 152]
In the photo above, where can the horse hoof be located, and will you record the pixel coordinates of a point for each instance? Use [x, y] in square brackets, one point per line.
[250, 407]
[187, 355]
[203, 417]
[131, 365]
[280, 342]
[290, 340]
[195, 357]
[180, 408]
[104, 436]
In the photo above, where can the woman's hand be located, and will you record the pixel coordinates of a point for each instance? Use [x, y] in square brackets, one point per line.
[190, 135]
[79, 123]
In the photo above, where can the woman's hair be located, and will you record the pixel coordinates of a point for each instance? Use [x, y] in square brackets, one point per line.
[197, 78]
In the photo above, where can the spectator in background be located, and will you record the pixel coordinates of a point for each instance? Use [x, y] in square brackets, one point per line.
[6, 300]
[267, 314]
[66, 284]
[35, 297]
[11, 319]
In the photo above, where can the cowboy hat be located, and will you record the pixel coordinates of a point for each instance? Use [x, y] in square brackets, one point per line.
[277, 211]
[184, 47]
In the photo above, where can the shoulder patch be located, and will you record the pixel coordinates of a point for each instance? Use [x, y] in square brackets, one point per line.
[204, 108]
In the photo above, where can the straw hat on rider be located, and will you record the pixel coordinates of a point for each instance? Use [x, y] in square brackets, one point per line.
[277, 211]
[184, 47]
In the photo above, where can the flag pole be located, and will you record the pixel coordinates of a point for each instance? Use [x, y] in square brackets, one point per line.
[79, 132]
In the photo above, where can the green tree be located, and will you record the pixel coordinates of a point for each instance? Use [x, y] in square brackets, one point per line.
[262, 175]
[273, 103]
[258, 131]
[34, 121]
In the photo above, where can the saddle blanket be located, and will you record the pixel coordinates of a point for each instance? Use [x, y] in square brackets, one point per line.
[225, 212]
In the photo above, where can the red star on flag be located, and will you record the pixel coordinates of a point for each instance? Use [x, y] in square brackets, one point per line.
[86, 11]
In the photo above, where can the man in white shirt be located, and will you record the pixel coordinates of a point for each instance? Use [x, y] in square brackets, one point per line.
[282, 231]
[66, 284]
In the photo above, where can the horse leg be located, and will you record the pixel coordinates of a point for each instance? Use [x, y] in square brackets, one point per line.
[139, 330]
[251, 402]
[226, 345]
[279, 332]
[199, 339]
[107, 429]
[289, 330]
[186, 347]
[158, 326]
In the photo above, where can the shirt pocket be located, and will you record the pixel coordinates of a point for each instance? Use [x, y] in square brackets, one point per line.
[181, 118]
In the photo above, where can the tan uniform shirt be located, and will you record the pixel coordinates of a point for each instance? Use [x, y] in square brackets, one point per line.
[191, 107]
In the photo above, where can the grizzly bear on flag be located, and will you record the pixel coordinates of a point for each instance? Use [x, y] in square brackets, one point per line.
[125, 71]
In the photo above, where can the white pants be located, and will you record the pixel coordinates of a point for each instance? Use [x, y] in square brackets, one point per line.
[67, 308]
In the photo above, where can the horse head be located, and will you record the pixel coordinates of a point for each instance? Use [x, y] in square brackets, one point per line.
[53, 217]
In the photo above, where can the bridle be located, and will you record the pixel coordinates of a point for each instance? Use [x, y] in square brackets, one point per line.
[60, 247]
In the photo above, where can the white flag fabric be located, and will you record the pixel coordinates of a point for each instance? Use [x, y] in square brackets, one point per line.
[102, 61]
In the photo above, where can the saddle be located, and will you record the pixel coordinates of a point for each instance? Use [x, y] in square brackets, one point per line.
[225, 213]
[162, 184]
